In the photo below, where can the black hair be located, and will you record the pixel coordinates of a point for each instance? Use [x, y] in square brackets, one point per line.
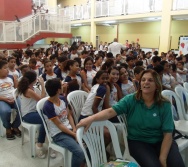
[112, 68]
[107, 64]
[163, 62]
[125, 65]
[68, 64]
[28, 78]
[159, 68]
[37, 53]
[2, 63]
[23, 66]
[33, 61]
[97, 76]
[28, 52]
[179, 58]
[173, 67]
[156, 59]
[109, 55]
[138, 69]
[182, 63]
[52, 57]
[84, 52]
[10, 58]
[62, 59]
[155, 53]
[129, 58]
[139, 63]
[78, 59]
[98, 57]
[52, 86]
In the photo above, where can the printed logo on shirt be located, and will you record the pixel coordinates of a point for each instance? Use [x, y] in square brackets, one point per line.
[154, 114]
[5, 86]
[63, 114]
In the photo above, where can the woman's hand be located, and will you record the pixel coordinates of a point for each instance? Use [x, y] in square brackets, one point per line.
[163, 162]
[85, 123]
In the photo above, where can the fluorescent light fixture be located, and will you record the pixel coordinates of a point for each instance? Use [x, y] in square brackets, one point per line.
[110, 22]
[59, 5]
[77, 25]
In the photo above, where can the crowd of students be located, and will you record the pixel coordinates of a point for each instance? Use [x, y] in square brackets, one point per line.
[107, 79]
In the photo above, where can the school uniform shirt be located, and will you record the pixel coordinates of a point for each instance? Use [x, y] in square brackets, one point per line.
[73, 56]
[47, 77]
[90, 75]
[77, 86]
[6, 87]
[182, 75]
[97, 91]
[168, 80]
[52, 111]
[15, 72]
[113, 96]
[127, 88]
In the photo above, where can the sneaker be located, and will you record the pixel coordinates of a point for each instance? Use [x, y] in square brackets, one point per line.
[17, 132]
[40, 152]
[9, 134]
[53, 154]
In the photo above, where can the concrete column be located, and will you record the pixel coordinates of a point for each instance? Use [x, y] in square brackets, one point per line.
[166, 20]
[93, 25]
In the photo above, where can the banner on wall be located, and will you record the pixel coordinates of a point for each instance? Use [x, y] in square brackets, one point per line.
[183, 45]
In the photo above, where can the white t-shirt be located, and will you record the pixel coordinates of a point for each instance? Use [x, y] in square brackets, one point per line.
[127, 88]
[51, 111]
[113, 96]
[90, 75]
[168, 80]
[15, 72]
[97, 91]
[6, 87]
[72, 56]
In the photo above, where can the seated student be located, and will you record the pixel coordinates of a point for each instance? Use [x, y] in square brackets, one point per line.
[73, 77]
[11, 67]
[88, 73]
[98, 62]
[83, 56]
[32, 66]
[149, 124]
[181, 70]
[28, 99]
[60, 122]
[27, 55]
[137, 72]
[95, 99]
[38, 58]
[7, 85]
[130, 70]
[53, 60]
[59, 69]
[154, 62]
[49, 73]
[125, 84]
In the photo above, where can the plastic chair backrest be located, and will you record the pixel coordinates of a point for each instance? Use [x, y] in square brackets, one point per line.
[94, 140]
[76, 100]
[123, 122]
[39, 107]
[16, 98]
[183, 95]
[174, 99]
[185, 85]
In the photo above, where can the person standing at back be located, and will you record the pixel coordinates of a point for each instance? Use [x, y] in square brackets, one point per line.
[116, 47]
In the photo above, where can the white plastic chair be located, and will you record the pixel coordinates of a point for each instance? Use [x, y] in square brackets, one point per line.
[94, 140]
[32, 128]
[1, 128]
[66, 153]
[185, 85]
[183, 96]
[76, 100]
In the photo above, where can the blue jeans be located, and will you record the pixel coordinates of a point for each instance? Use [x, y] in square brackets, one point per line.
[5, 114]
[34, 118]
[68, 142]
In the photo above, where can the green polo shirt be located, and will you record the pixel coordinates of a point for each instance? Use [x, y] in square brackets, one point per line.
[143, 123]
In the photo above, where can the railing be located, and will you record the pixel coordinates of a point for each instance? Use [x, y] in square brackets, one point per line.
[104, 8]
[124, 7]
[77, 12]
[21, 31]
[180, 5]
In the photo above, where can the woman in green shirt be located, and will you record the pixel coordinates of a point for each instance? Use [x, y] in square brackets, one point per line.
[149, 124]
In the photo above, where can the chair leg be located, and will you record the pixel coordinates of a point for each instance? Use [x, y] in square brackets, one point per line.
[23, 130]
[49, 151]
[1, 128]
[32, 134]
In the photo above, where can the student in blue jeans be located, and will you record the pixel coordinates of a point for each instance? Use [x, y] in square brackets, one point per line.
[60, 122]
[7, 85]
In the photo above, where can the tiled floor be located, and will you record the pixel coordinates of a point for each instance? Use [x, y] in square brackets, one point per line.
[13, 154]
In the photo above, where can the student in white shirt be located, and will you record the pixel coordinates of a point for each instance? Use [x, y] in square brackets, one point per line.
[182, 71]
